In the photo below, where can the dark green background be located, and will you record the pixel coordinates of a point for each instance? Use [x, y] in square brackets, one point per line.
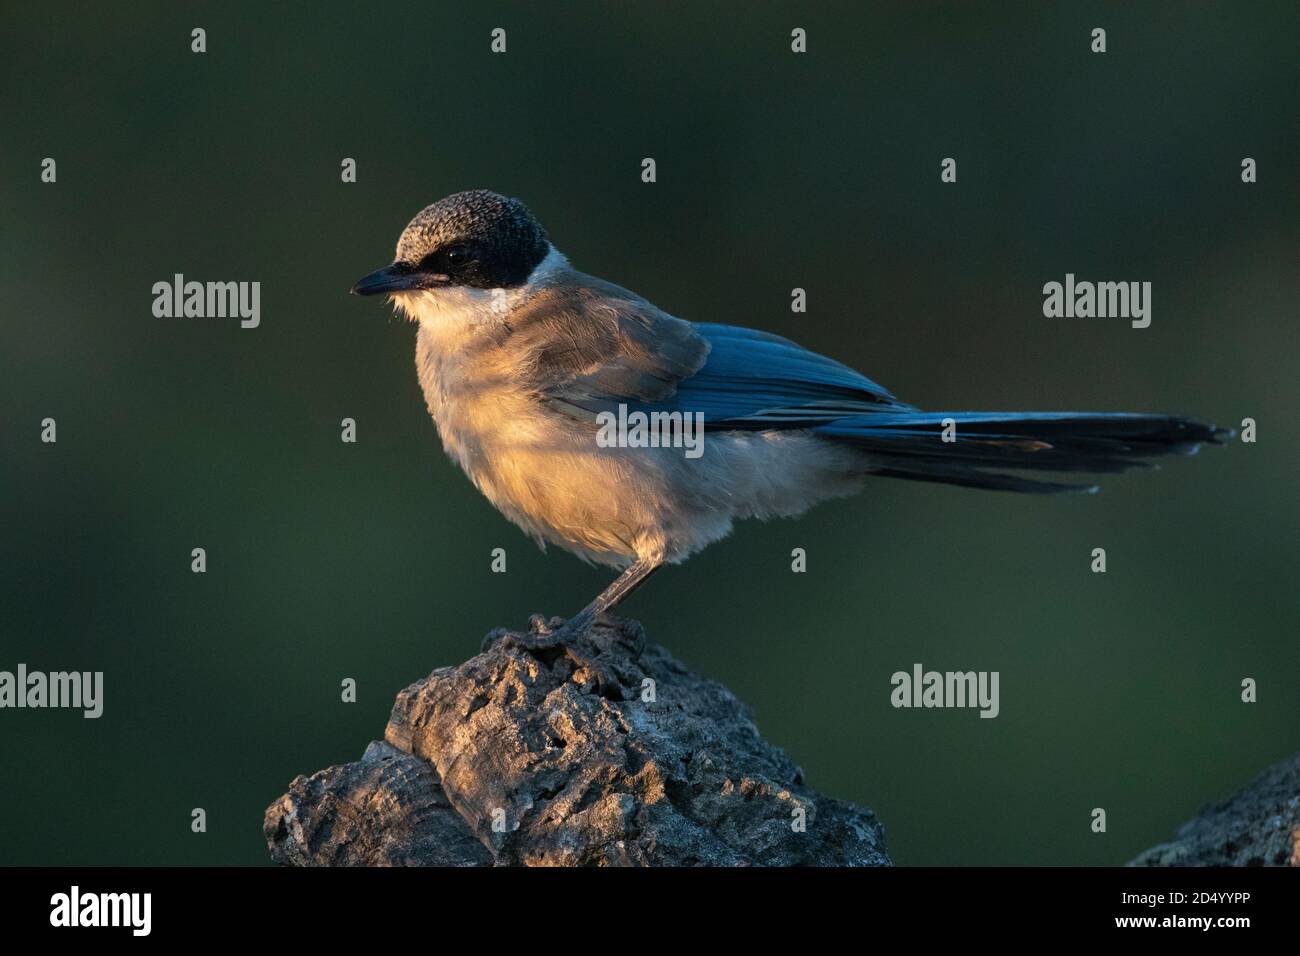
[371, 560]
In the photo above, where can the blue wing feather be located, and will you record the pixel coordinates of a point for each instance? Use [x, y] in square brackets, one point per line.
[754, 379]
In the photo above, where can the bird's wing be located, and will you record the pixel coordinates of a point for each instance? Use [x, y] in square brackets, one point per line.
[756, 380]
[602, 346]
[591, 344]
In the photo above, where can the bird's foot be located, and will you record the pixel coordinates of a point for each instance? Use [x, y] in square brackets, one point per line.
[571, 639]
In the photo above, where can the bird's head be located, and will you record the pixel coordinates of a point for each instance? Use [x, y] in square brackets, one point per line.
[476, 240]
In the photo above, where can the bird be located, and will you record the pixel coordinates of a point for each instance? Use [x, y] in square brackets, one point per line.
[523, 360]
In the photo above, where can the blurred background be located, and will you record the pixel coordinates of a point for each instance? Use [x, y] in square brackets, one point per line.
[372, 561]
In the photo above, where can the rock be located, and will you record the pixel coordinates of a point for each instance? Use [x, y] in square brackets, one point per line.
[1257, 826]
[384, 810]
[608, 753]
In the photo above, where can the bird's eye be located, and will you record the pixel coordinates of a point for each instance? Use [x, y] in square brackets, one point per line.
[457, 255]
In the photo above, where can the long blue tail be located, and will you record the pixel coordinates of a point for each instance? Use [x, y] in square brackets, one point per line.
[958, 448]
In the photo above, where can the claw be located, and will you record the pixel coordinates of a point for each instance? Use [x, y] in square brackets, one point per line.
[568, 637]
[604, 682]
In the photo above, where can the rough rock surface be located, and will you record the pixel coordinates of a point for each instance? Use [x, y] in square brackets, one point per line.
[386, 809]
[1257, 826]
[524, 756]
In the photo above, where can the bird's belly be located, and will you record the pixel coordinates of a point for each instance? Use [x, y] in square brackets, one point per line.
[542, 470]
[548, 475]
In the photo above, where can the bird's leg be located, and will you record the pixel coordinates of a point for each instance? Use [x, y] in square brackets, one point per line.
[636, 575]
[540, 637]
[577, 626]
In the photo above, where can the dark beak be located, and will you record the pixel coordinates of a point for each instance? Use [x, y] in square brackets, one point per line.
[399, 277]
